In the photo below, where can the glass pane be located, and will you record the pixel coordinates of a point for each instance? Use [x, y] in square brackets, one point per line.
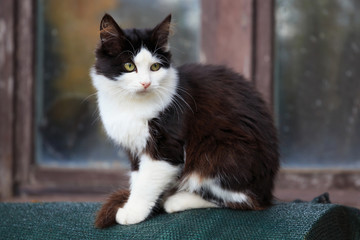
[68, 130]
[317, 78]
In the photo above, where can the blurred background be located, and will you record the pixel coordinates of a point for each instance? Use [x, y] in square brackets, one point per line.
[303, 56]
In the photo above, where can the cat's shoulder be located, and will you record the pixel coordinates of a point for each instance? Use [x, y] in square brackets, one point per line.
[210, 73]
[204, 68]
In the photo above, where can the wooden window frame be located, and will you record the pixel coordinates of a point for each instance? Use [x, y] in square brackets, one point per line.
[247, 49]
[6, 98]
[19, 174]
[251, 53]
[248, 45]
[23, 176]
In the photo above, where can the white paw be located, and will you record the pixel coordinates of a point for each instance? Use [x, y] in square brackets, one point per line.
[182, 201]
[131, 215]
[173, 205]
[177, 203]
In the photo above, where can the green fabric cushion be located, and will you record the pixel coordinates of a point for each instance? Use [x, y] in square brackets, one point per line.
[282, 221]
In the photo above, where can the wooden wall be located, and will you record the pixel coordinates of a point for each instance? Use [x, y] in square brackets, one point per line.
[7, 82]
[239, 34]
[16, 92]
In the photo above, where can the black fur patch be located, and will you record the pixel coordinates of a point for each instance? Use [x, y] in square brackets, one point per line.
[118, 46]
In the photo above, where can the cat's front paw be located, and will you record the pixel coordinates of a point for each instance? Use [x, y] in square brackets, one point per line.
[131, 214]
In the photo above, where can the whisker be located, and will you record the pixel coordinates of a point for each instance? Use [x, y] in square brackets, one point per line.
[131, 45]
[126, 51]
[90, 96]
[177, 106]
[186, 92]
[182, 99]
[161, 99]
[178, 96]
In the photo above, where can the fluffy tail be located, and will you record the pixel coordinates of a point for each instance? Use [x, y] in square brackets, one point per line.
[106, 215]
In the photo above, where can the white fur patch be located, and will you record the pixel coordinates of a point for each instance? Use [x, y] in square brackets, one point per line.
[182, 201]
[126, 107]
[152, 179]
[194, 183]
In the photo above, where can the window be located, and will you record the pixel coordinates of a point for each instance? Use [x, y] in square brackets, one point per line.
[68, 129]
[317, 83]
[46, 151]
[43, 150]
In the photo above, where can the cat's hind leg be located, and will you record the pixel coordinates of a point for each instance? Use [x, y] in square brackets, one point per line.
[184, 200]
[211, 187]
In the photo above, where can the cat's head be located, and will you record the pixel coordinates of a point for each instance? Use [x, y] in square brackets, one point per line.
[134, 61]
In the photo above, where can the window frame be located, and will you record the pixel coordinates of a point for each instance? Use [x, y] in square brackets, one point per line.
[21, 175]
[7, 99]
[26, 177]
[253, 58]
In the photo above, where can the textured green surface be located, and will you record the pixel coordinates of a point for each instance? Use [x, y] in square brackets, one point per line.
[283, 221]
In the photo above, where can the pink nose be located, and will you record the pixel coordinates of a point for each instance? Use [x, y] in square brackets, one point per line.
[146, 84]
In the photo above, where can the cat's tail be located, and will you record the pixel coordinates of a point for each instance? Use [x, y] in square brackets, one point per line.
[107, 214]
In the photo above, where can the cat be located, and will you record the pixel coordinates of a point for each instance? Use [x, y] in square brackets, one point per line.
[198, 136]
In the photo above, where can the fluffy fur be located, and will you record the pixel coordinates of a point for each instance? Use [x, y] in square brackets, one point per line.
[197, 136]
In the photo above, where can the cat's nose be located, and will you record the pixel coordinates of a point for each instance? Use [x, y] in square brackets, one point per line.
[145, 84]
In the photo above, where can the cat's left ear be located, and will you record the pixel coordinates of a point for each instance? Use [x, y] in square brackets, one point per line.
[111, 35]
[161, 33]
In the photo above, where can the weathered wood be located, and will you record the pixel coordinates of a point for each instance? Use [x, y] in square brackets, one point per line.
[23, 149]
[320, 179]
[239, 34]
[263, 49]
[65, 180]
[6, 97]
[227, 34]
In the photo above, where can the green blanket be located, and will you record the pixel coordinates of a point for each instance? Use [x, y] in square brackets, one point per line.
[283, 221]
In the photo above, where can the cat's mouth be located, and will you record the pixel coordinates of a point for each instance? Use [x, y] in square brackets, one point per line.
[144, 91]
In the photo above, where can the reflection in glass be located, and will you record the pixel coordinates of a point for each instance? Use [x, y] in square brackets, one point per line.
[317, 79]
[68, 130]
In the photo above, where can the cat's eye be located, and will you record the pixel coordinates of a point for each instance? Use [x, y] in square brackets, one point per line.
[129, 67]
[155, 67]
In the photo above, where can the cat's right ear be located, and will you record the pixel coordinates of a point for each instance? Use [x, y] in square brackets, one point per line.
[161, 32]
[111, 35]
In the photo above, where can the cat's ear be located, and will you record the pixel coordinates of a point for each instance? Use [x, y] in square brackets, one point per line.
[111, 35]
[161, 33]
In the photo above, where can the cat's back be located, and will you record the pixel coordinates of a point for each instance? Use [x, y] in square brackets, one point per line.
[224, 103]
[208, 76]
[231, 124]
[219, 88]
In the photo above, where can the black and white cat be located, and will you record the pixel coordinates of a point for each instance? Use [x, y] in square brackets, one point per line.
[198, 136]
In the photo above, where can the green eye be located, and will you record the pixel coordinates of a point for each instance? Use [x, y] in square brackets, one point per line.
[155, 67]
[129, 67]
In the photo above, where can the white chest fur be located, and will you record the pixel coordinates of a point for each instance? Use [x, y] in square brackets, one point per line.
[125, 107]
[125, 116]
[125, 123]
